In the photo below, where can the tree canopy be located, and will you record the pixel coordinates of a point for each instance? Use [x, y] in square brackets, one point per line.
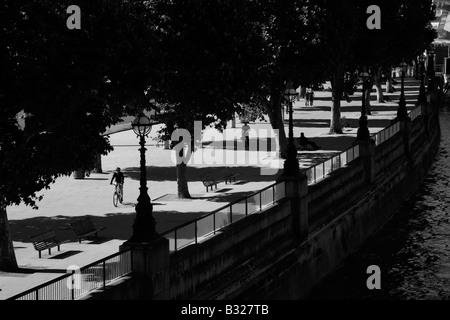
[68, 85]
[60, 89]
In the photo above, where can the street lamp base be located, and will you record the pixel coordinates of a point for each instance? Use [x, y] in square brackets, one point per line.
[402, 112]
[363, 133]
[144, 224]
[291, 168]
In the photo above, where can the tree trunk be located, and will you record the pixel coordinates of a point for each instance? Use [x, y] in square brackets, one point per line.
[337, 86]
[416, 68]
[8, 260]
[380, 98]
[274, 112]
[182, 184]
[98, 164]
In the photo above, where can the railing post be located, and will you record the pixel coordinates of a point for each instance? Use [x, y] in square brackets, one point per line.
[195, 224]
[131, 257]
[175, 236]
[214, 222]
[73, 284]
[246, 206]
[260, 201]
[104, 274]
[231, 215]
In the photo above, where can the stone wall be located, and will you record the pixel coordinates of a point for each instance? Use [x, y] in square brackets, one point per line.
[282, 252]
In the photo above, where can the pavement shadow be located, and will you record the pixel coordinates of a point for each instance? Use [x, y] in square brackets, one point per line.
[313, 108]
[313, 159]
[36, 269]
[166, 220]
[238, 145]
[195, 173]
[66, 254]
[21, 230]
[118, 226]
[228, 197]
[331, 142]
[311, 123]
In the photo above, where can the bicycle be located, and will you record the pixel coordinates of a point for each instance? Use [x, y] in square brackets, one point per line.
[118, 194]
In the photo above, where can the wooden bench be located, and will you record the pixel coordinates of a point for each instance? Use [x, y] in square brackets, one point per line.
[46, 240]
[209, 182]
[230, 177]
[84, 228]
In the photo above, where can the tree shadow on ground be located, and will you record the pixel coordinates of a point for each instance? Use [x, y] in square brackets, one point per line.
[227, 197]
[375, 107]
[21, 230]
[118, 226]
[314, 108]
[332, 142]
[268, 143]
[311, 123]
[37, 269]
[250, 173]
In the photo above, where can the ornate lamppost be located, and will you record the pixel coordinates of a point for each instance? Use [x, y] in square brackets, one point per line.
[402, 112]
[291, 166]
[422, 93]
[363, 129]
[430, 71]
[144, 223]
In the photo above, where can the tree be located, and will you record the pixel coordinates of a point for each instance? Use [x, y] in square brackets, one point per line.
[405, 32]
[337, 39]
[289, 32]
[210, 59]
[69, 85]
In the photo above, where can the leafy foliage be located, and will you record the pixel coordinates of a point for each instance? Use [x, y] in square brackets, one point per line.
[69, 86]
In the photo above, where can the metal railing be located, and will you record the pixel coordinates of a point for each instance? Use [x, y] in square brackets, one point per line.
[321, 170]
[414, 113]
[387, 133]
[79, 282]
[210, 223]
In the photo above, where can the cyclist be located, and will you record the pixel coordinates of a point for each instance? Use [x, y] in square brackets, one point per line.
[119, 179]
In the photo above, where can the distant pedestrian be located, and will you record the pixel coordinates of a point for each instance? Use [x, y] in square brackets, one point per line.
[302, 92]
[307, 96]
[299, 93]
[245, 135]
[311, 98]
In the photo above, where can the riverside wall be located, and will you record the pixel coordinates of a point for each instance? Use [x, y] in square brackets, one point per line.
[282, 252]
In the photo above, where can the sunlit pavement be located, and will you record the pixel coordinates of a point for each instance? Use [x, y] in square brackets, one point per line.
[69, 199]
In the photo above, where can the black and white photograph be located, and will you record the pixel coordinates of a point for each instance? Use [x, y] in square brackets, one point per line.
[225, 154]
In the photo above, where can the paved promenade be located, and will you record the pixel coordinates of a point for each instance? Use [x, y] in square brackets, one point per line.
[70, 199]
